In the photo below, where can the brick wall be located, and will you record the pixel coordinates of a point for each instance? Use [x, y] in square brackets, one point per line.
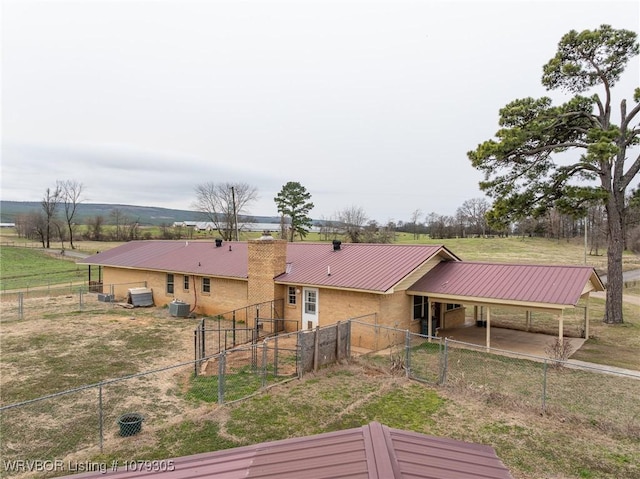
[267, 259]
[225, 295]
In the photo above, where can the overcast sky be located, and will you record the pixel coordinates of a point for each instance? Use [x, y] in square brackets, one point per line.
[365, 103]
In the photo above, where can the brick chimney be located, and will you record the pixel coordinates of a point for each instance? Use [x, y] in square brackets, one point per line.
[267, 259]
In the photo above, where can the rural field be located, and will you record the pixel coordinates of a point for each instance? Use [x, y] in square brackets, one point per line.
[58, 346]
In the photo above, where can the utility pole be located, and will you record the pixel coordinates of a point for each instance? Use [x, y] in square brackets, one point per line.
[586, 223]
[235, 213]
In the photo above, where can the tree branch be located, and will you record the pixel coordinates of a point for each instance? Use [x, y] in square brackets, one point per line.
[600, 108]
[544, 148]
[626, 119]
[631, 173]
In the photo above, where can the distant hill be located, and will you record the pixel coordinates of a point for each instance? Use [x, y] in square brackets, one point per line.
[144, 215]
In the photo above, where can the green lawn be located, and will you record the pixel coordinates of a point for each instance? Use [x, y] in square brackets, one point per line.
[22, 268]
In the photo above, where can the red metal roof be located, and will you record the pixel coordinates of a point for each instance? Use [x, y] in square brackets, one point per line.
[561, 285]
[367, 267]
[192, 257]
[368, 452]
[371, 267]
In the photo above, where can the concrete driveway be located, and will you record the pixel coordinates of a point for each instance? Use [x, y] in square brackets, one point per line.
[533, 344]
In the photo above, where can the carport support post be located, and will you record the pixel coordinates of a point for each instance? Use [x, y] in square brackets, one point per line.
[488, 328]
[586, 319]
[561, 327]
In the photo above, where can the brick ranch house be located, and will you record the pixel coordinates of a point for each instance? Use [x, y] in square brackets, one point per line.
[322, 283]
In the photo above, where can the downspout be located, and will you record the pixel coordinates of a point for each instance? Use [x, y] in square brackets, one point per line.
[195, 295]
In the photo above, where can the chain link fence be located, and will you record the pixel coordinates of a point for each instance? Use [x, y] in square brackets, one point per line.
[74, 426]
[130, 416]
[560, 389]
[37, 302]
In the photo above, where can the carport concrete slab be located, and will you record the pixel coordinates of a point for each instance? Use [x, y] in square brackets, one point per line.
[533, 344]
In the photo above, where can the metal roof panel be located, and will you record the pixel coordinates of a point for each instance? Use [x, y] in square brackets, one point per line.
[373, 451]
[551, 284]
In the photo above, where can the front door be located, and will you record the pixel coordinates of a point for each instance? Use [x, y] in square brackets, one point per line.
[309, 308]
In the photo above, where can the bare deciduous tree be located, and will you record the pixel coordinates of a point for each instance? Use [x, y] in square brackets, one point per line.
[415, 219]
[329, 229]
[376, 233]
[352, 222]
[95, 227]
[222, 203]
[49, 204]
[474, 214]
[71, 192]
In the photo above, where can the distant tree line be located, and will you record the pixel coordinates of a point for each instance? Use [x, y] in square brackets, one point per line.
[55, 220]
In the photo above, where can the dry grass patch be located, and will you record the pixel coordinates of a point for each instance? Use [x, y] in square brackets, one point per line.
[58, 348]
[589, 428]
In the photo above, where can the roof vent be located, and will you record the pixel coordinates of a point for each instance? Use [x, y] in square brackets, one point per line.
[218, 242]
[336, 245]
[266, 235]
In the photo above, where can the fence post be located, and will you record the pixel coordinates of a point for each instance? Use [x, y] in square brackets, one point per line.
[316, 349]
[264, 363]
[299, 358]
[544, 387]
[275, 356]
[254, 356]
[233, 322]
[100, 418]
[348, 339]
[202, 340]
[444, 359]
[80, 298]
[21, 305]
[407, 352]
[195, 352]
[338, 344]
[221, 370]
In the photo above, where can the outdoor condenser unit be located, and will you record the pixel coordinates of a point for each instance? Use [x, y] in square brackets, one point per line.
[179, 309]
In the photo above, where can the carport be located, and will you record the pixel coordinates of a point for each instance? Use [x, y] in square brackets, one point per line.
[548, 288]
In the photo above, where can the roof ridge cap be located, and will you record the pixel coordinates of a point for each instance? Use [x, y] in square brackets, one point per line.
[538, 265]
[382, 457]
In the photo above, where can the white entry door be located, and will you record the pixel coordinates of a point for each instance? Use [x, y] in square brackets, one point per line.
[309, 308]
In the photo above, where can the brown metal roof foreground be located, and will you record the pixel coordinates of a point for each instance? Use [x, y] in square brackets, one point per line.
[369, 452]
[370, 267]
[551, 285]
